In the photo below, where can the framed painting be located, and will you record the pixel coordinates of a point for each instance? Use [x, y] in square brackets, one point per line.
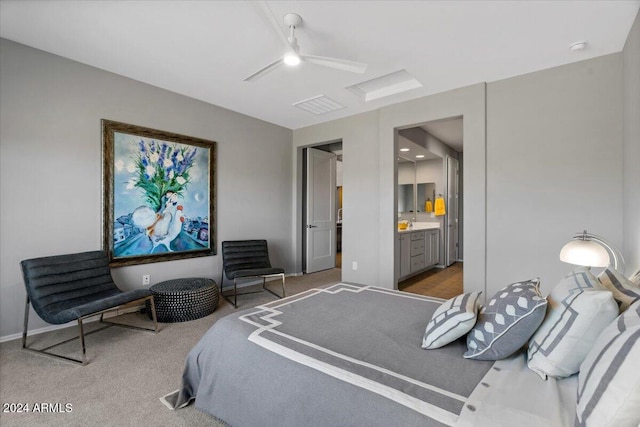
[159, 195]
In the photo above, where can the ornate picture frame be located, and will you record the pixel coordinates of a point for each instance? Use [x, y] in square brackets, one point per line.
[159, 195]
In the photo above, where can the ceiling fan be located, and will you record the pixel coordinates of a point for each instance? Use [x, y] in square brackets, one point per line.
[292, 56]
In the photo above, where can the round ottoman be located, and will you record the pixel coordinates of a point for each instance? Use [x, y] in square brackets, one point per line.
[180, 300]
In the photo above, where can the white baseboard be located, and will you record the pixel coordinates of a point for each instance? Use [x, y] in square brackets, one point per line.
[41, 330]
[246, 283]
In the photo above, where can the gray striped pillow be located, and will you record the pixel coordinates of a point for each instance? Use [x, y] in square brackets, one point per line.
[609, 379]
[624, 291]
[453, 319]
[580, 308]
[635, 279]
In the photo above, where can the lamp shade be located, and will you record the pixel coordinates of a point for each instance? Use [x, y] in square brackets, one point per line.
[585, 252]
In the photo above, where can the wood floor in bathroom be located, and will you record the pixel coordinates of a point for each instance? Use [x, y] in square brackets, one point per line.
[438, 282]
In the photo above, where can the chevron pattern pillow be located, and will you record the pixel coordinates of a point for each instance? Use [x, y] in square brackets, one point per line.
[507, 322]
[609, 378]
[453, 319]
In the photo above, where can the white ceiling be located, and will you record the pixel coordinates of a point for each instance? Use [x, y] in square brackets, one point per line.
[414, 150]
[448, 131]
[204, 49]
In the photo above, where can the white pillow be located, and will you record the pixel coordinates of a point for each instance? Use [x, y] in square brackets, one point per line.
[609, 379]
[624, 291]
[453, 319]
[580, 308]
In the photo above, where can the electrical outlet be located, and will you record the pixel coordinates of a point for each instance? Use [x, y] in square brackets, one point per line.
[146, 279]
[354, 265]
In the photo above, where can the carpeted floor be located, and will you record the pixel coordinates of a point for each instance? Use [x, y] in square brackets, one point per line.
[128, 371]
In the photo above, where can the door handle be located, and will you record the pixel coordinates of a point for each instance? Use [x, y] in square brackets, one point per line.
[311, 226]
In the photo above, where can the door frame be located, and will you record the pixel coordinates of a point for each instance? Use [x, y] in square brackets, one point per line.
[307, 229]
[447, 240]
[297, 249]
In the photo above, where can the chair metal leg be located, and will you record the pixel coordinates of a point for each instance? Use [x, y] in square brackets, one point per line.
[235, 293]
[141, 328]
[153, 314]
[272, 292]
[234, 303]
[264, 288]
[81, 333]
[82, 346]
[26, 324]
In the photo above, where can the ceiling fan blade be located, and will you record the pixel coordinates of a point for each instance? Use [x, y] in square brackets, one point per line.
[264, 70]
[340, 64]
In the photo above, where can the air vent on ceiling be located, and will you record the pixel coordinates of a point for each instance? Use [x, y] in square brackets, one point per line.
[390, 84]
[319, 105]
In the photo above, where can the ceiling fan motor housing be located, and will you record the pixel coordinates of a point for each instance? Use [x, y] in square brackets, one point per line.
[292, 20]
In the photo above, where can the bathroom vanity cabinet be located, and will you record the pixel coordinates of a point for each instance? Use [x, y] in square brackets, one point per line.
[419, 250]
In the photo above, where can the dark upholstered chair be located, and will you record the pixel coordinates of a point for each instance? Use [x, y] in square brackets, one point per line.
[74, 287]
[247, 259]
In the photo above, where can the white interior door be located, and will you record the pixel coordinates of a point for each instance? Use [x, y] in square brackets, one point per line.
[320, 218]
[451, 254]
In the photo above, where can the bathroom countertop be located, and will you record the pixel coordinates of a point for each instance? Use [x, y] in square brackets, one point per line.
[419, 226]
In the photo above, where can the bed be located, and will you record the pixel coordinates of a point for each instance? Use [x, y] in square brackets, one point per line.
[350, 355]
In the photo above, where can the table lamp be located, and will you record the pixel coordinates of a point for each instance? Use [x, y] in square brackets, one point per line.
[592, 250]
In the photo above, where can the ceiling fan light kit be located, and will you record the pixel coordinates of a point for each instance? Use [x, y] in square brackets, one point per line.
[292, 56]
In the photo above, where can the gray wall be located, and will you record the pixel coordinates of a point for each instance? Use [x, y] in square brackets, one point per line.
[359, 135]
[554, 167]
[631, 205]
[554, 159]
[543, 160]
[370, 181]
[50, 157]
[469, 103]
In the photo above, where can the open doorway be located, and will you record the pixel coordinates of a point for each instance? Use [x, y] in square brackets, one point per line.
[322, 199]
[436, 149]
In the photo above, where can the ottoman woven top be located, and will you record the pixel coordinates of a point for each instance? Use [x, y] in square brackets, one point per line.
[180, 300]
[182, 285]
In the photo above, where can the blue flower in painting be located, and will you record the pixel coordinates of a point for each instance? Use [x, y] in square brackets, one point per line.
[163, 168]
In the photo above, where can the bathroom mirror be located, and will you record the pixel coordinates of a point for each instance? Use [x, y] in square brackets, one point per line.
[406, 185]
[425, 191]
[405, 198]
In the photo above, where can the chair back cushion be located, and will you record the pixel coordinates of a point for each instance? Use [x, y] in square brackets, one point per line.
[57, 283]
[242, 255]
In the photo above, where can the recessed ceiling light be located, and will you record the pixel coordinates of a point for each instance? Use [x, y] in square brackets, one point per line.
[419, 156]
[404, 149]
[577, 46]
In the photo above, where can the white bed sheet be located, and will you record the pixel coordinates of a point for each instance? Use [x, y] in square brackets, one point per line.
[521, 398]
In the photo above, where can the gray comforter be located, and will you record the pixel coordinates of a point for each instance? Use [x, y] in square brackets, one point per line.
[343, 356]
